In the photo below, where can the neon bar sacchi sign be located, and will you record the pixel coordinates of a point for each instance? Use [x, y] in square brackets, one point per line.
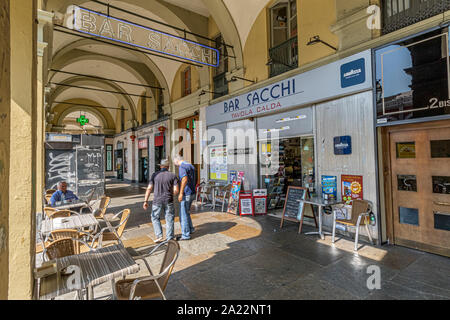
[111, 28]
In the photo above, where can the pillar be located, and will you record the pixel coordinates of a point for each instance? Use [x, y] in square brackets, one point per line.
[4, 145]
[22, 149]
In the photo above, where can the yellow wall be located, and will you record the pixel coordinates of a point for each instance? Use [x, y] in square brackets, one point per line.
[315, 18]
[256, 50]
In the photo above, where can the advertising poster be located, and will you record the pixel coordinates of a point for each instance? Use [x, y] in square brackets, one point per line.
[233, 176]
[218, 163]
[233, 203]
[352, 187]
[260, 201]
[246, 204]
[329, 187]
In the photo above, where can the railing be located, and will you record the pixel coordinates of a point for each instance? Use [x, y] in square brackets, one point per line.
[398, 14]
[283, 57]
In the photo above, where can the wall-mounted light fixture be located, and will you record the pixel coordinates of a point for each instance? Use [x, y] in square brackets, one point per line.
[316, 39]
[235, 78]
[203, 92]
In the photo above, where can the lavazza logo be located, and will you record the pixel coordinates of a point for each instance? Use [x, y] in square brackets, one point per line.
[352, 73]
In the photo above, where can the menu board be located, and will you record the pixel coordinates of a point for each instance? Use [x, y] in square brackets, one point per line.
[352, 188]
[293, 209]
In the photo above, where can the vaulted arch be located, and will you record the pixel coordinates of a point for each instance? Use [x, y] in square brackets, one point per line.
[122, 100]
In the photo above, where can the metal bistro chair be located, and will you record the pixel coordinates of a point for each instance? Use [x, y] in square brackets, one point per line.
[152, 286]
[98, 207]
[360, 215]
[70, 233]
[198, 189]
[52, 213]
[89, 200]
[207, 195]
[222, 196]
[113, 233]
[64, 247]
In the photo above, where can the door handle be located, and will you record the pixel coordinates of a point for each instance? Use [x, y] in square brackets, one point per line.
[442, 203]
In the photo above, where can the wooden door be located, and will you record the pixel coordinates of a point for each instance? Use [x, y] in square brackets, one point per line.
[420, 185]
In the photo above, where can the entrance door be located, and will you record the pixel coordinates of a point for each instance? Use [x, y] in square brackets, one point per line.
[420, 180]
[191, 126]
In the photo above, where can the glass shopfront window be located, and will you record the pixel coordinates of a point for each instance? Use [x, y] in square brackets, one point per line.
[286, 162]
[412, 78]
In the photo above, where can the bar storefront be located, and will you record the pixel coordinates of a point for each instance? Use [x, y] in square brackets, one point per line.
[283, 135]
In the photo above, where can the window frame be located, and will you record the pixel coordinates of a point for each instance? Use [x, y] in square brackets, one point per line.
[277, 5]
[186, 81]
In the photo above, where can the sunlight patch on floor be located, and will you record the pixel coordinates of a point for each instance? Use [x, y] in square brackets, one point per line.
[365, 250]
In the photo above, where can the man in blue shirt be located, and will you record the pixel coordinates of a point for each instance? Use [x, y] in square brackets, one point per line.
[188, 178]
[62, 194]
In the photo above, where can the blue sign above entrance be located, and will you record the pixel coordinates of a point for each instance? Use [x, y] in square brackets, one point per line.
[353, 73]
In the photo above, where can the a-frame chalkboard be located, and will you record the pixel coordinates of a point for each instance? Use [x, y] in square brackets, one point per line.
[293, 209]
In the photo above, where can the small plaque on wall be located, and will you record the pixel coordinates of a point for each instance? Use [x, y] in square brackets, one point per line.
[342, 145]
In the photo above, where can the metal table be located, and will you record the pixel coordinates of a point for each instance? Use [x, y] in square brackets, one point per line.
[320, 202]
[78, 222]
[70, 205]
[97, 266]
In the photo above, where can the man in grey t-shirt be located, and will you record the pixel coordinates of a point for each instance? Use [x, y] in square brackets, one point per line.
[164, 184]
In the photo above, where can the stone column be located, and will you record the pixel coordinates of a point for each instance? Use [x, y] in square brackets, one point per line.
[22, 148]
[4, 145]
[43, 18]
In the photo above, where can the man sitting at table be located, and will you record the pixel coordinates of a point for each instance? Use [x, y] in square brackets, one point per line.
[62, 194]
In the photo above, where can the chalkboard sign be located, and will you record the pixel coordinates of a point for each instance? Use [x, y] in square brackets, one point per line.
[90, 171]
[293, 209]
[60, 166]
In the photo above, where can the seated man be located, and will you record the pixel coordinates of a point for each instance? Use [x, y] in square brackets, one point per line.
[62, 194]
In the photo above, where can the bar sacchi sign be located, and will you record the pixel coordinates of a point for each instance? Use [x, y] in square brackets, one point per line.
[111, 28]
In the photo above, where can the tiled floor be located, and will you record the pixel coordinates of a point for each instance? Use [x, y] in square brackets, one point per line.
[230, 257]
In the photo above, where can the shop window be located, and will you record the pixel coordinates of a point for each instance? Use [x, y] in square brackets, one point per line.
[286, 162]
[186, 82]
[406, 150]
[109, 157]
[440, 148]
[441, 185]
[442, 220]
[409, 216]
[412, 78]
[407, 183]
